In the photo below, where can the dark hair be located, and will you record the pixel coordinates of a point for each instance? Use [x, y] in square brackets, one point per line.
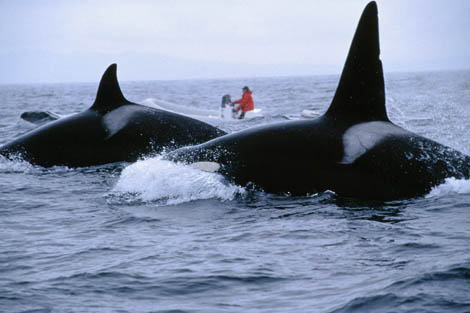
[246, 88]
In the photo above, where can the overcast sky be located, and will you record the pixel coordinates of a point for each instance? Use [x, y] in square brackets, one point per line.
[63, 41]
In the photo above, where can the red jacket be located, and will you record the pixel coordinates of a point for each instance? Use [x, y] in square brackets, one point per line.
[246, 102]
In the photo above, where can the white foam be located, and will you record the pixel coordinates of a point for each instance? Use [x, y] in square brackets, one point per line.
[15, 166]
[359, 138]
[170, 183]
[450, 186]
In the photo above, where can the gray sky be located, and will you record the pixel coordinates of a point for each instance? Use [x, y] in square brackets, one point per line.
[56, 41]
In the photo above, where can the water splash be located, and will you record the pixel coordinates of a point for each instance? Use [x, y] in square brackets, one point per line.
[15, 165]
[170, 183]
[450, 186]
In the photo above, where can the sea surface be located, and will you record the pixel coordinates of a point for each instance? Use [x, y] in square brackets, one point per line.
[154, 236]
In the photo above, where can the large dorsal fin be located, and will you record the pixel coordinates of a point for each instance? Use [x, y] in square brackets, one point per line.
[109, 95]
[360, 95]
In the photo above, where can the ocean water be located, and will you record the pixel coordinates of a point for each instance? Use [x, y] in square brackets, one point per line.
[154, 236]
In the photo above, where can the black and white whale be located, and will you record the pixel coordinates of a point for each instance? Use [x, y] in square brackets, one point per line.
[111, 130]
[353, 149]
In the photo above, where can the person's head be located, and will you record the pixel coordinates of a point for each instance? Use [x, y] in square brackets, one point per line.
[245, 89]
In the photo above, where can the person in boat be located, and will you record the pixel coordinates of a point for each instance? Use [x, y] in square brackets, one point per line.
[245, 103]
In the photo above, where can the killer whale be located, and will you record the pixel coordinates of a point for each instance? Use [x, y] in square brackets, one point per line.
[353, 149]
[113, 129]
[39, 117]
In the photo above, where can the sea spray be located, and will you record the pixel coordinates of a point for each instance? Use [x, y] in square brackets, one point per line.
[15, 165]
[450, 186]
[163, 181]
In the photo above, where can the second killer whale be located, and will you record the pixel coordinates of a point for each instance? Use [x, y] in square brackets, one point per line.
[353, 149]
[39, 117]
[113, 129]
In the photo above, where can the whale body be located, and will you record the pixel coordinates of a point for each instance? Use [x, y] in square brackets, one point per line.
[113, 129]
[353, 149]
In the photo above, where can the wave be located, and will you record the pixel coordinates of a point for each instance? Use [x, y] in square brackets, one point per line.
[436, 291]
[170, 183]
[391, 302]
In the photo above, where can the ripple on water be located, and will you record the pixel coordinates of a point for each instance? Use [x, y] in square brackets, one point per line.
[439, 291]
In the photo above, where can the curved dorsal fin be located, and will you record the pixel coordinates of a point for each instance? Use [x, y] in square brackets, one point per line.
[109, 95]
[360, 95]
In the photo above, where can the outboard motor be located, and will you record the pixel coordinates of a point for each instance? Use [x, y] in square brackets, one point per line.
[226, 100]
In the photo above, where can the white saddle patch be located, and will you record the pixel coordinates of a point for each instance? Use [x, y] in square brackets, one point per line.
[117, 119]
[360, 138]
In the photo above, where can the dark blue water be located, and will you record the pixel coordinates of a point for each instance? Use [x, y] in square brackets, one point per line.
[158, 237]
